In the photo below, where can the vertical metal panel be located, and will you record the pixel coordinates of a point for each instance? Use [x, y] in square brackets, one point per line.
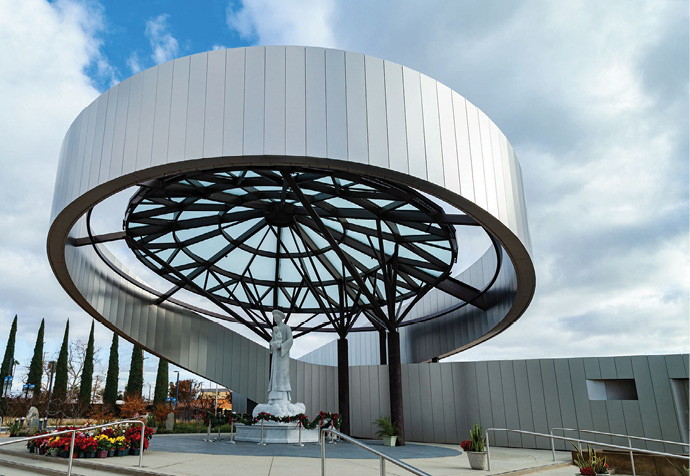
[461, 399]
[600, 420]
[522, 388]
[462, 139]
[227, 357]
[317, 388]
[140, 317]
[274, 109]
[207, 341]
[451, 173]
[592, 369]
[77, 147]
[497, 162]
[664, 399]
[384, 394]
[364, 400]
[253, 389]
[325, 388]
[236, 348]
[161, 122]
[357, 141]
[336, 105]
[316, 102]
[295, 102]
[436, 402]
[432, 132]
[476, 156]
[244, 366]
[99, 135]
[616, 421]
[333, 402]
[178, 110]
[449, 403]
[417, 406]
[580, 395]
[215, 104]
[498, 413]
[484, 394]
[262, 371]
[188, 348]
[177, 355]
[508, 179]
[233, 114]
[607, 367]
[132, 129]
[355, 414]
[407, 386]
[92, 110]
[623, 367]
[510, 401]
[395, 119]
[147, 118]
[551, 401]
[565, 395]
[633, 420]
[488, 163]
[216, 352]
[151, 341]
[253, 138]
[675, 366]
[377, 129]
[373, 393]
[414, 120]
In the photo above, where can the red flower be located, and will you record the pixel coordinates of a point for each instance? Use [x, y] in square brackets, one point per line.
[587, 471]
[466, 445]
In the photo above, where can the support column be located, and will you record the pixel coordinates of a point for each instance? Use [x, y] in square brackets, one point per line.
[343, 385]
[382, 347]
[395, 384]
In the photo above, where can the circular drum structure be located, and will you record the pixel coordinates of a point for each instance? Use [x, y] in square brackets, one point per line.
[312, 180]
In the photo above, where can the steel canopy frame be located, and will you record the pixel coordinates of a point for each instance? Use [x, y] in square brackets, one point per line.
[294, 108]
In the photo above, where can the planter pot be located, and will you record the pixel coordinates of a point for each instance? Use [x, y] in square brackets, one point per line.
[121, 452]
[389, 440]
[134, 451]
[32, 449]
[79, 454]
[102, 454]
[53, 451]
[111, 453]
[477, 459]
[64, 454]
[41, 450]
[90, 454]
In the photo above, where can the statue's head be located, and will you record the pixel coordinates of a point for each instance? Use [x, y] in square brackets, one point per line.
[278, 316]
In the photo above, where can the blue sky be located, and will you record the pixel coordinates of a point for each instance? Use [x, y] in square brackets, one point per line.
[592, 95]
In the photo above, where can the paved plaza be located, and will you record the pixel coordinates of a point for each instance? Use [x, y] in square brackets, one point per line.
[190, 455]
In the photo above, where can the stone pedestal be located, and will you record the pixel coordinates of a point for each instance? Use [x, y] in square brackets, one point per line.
[275, 433]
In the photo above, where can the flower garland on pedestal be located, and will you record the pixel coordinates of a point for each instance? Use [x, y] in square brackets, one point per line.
[323, 419]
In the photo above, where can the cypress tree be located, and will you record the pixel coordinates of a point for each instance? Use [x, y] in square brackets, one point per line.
[135, 383]
[36, 366]
[161, 392]
[8, 360]
[60, 386]
[87, 373]
[110, 390]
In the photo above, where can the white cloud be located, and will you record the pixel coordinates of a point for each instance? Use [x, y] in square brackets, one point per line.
[593, 96]
[134, 63]
[163, 43]
[298, 22]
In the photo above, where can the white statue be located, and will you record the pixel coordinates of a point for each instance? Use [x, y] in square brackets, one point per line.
[279, 399]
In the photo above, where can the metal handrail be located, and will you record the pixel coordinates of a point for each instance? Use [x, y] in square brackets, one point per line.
[618, 435]
[577, 440]
[74, 432]
[382, 457]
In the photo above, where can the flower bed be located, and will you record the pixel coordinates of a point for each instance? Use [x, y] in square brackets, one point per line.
[117, 441]
[323, 419]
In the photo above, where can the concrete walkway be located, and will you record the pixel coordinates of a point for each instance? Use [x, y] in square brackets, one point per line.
[190, 455]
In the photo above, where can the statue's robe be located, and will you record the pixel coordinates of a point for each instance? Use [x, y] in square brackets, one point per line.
[279, 384]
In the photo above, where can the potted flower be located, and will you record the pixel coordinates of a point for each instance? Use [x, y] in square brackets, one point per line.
[387, 431]
[599, 466]
[103, 445]
[54, 446]
[120, 446]
[89, 446]
[474, 447]
[592, 465]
